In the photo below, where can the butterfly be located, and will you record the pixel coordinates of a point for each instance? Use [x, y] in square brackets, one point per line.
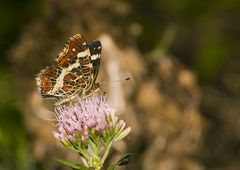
[74, 72]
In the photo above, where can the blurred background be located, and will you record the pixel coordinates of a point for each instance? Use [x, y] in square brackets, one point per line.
[182, 101]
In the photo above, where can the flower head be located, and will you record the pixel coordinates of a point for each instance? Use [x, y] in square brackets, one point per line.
[87, 125]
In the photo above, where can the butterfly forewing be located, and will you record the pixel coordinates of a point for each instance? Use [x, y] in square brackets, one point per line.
[95, 50]
[76, 44]
[75, 71]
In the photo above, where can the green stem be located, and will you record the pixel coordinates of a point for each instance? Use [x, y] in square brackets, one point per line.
[84, 154]
[80, 150]
[106, 152]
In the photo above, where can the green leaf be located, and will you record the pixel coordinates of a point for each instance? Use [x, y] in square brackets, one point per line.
[84, 161]
[123, 134]
[73, 165]
[93, 146]
[124, 160]
[112, 167]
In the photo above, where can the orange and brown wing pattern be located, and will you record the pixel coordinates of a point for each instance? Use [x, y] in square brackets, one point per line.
[46, 81]
[73, 46]
[74, 73]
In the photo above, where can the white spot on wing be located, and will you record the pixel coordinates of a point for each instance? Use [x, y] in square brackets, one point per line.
[83, 54]
[94, 57]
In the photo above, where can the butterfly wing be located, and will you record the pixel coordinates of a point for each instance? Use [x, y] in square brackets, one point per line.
[74, 73]
[47, 81]
[76, 44]
[95, 50]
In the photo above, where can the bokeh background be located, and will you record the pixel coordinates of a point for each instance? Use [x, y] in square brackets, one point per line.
[182, 101]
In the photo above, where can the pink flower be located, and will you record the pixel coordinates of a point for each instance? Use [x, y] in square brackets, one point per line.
[86, 116]
[89, 126]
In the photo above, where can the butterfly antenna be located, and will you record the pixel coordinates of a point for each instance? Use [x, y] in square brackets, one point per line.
[115, 81]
